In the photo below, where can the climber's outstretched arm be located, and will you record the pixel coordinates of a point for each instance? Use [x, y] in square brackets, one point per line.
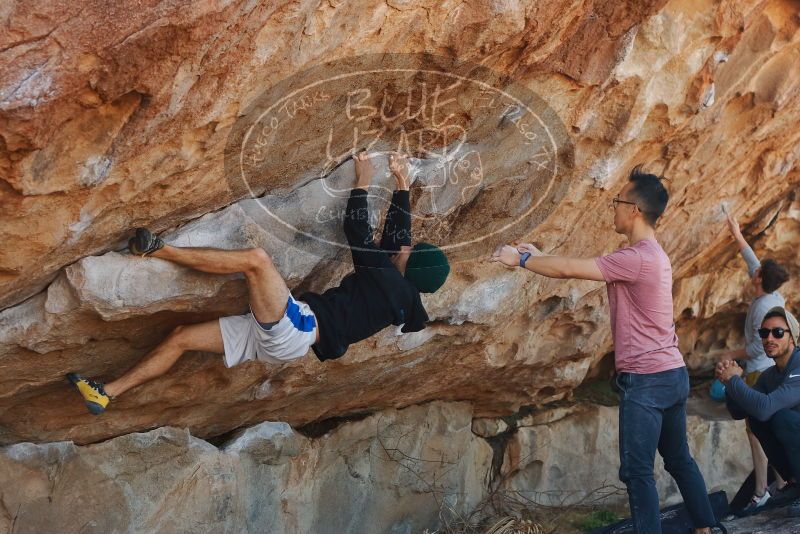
[357, 229]
[396, 238]
[550, 266]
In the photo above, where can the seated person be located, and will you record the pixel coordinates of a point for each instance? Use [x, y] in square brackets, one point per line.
[772, 405]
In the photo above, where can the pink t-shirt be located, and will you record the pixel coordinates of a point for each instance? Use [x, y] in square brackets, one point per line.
[639, 283]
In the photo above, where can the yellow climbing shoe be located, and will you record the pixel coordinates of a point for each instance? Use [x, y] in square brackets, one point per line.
[93, 395]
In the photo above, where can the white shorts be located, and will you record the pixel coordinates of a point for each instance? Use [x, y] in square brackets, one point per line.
[290, 338]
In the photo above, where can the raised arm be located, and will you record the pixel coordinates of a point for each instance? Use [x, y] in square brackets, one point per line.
[746, 251]
[753, 349]
[396, 238]
[357, 229]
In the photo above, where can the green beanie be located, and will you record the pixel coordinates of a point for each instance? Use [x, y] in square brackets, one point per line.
[427, 267]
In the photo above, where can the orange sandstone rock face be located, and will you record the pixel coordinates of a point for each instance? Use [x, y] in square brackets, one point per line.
[112, 118]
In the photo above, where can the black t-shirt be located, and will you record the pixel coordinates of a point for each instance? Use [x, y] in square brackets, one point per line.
[375, 294]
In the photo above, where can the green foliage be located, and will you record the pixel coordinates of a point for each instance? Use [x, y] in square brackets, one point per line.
[597, 519]
[597, 391]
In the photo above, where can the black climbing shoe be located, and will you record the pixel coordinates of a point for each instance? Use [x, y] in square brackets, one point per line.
[144, 242]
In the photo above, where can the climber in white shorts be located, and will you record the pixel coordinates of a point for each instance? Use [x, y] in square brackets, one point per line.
[277, 329]
[383, 289]
[245, 338]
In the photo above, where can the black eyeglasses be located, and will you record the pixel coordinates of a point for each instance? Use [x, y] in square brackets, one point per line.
[617, 200]
[777, 333]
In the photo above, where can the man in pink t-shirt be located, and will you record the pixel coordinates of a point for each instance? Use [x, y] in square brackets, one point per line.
[639, 283]
[652, 376]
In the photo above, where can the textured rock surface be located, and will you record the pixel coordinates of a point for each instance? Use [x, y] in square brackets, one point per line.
[575, 459]
[772, 522]
[393, 472]
[397, 471]
[113, 117]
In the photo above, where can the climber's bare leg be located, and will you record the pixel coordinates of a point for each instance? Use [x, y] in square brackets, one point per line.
[268, 291]
[205, 337]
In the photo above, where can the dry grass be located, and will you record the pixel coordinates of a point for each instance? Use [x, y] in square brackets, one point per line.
[509, 512]
[502, 511]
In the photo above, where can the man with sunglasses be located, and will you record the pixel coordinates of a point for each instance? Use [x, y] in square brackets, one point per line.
[652, 376]
[772, 405]
[765, 279]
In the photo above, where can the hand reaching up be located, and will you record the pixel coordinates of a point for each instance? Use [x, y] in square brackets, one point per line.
[398, 164]
[733, 226]
[365, 171]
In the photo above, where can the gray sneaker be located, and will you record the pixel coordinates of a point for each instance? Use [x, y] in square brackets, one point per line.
[755, 505]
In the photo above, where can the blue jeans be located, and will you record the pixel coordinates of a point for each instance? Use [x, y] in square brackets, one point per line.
[652, 415]
[780, 439]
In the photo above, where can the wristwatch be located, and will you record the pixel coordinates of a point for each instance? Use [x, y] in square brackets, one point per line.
[523, 258]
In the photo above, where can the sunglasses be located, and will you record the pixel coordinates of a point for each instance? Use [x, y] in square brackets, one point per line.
[777, 333]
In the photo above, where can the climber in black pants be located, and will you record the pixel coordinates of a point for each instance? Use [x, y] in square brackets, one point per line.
[384, 289]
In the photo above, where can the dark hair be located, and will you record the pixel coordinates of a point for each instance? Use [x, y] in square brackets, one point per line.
[773, 275]
[772, 314]
[651, 195]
